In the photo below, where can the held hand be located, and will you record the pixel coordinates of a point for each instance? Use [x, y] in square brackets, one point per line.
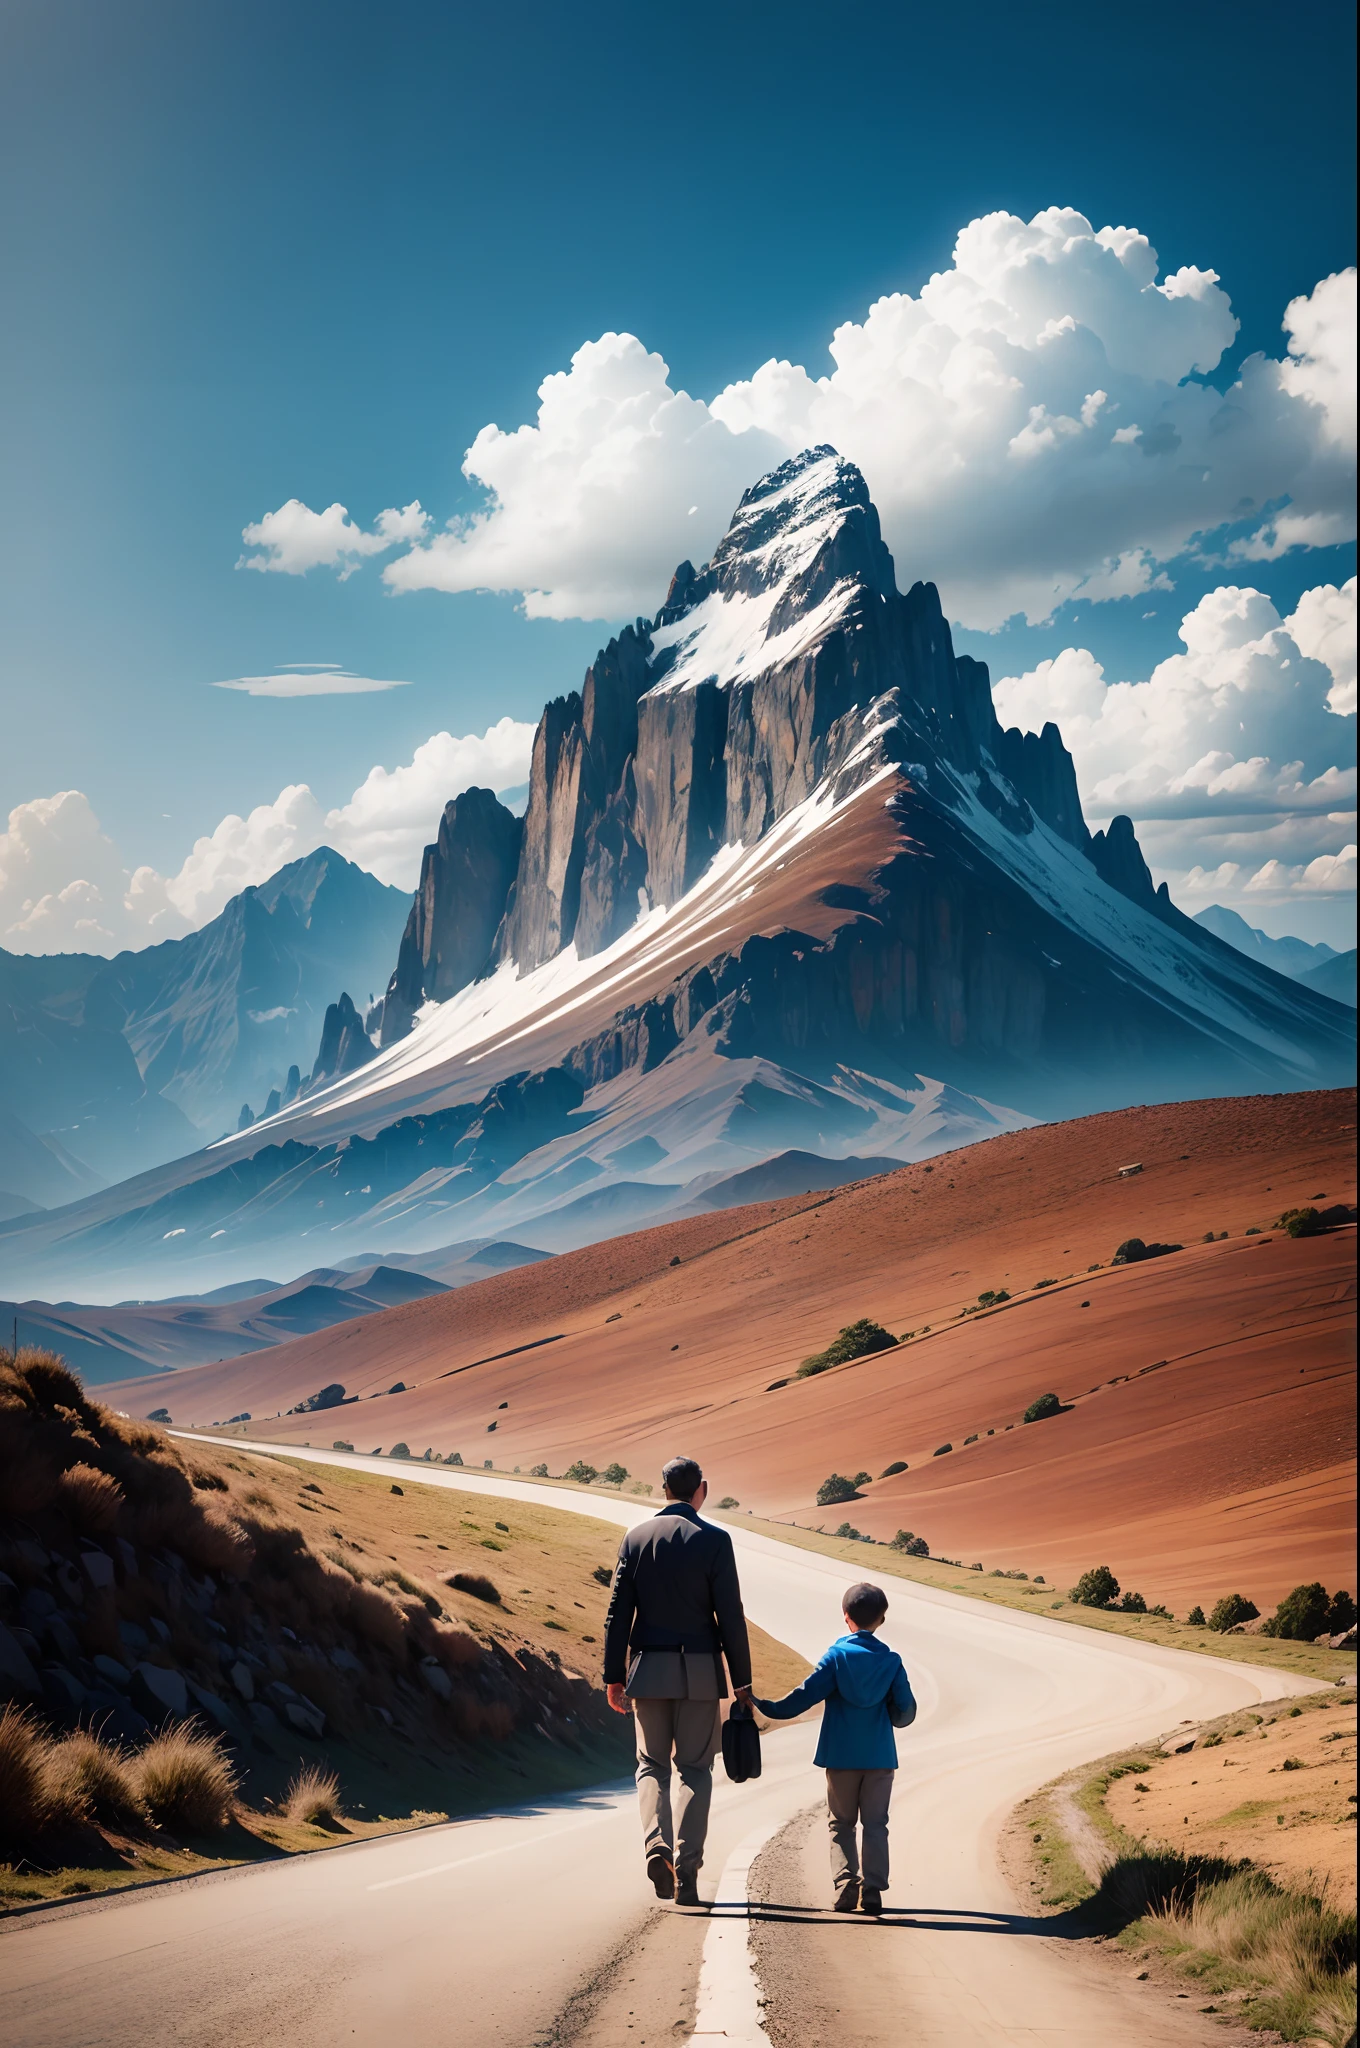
[743, 1693]
[616, 1699]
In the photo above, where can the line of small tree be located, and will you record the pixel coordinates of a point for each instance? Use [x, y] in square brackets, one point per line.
[1304, 1614]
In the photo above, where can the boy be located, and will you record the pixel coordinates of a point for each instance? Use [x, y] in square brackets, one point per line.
[867, 1694]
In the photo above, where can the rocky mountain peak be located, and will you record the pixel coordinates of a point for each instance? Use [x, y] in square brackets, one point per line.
[803, 548]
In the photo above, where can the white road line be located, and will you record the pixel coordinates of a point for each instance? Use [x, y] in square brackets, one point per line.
[482, 1855]
[728, 2007]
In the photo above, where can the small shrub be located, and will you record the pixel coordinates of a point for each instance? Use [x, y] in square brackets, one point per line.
[1162, 1613]
[91, 1499]
[535, 1471]
[857, 1340]
[474, 1583]
[614, 1475]
[1195, 1618]
[1040, 1409]
[1133, 1251]
[940, 1450]
[25, 1800]
[729, 1500]
[1133, 1603]
[602, 1575]
[84, 1775]
[400, 1451]
[1044, 1283]
[1301, 1615]
[314, 1796]
[456, 1458]
[1300, 1222]
[582, 1473]
[864, 1479]
[891, 1471]
[969, 1440]
[836, 1487]
[640, 1486]
[1096, 1588]
[1231, 1610]
[851, 1535]
[910, 1545]
[185, 1780]
[1340, 1614]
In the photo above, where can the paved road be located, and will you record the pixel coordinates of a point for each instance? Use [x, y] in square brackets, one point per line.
[522, 1929]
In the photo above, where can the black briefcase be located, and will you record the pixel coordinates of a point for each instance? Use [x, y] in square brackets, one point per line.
[741, 1744]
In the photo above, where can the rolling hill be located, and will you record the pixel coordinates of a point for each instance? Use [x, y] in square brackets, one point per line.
[1206, 1442]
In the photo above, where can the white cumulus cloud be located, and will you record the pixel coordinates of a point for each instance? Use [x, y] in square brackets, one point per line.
[64, 885]
[1032, 424]
[295, 539]
[1236, 759]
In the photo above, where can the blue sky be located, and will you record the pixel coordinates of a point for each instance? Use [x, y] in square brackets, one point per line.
[260, 253]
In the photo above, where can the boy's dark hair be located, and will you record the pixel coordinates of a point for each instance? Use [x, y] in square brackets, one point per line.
[682, 1477]
[865, 1604]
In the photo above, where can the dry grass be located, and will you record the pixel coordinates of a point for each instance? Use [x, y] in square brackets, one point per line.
[91, 1498]
[185, 1779]
[25, 1801]
[1301, 1948]
[314, 1797]
[91, 1779]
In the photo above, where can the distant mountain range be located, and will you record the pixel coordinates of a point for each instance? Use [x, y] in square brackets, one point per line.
[105, 1344]
[783, 885]
[1294, 957]
[110, 1066]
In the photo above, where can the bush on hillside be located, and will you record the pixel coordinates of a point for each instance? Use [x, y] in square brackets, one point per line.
[614, 1475]
[1340, 1614]
[91, 1498]
[314, 1796]
[1096, 1588]
[480, 1587]
[582, 1473]
[729, 1500]
[1133, 1251]
[1042, 1408]
[1133, 1603]
[909, 1544]
[940, 1450]
[185, 1779]
[1231, 1611]
[891, 1471]
[91, 1778]
[1195, 1618]
[535, 1471]
[836, 1487]
[1301, 1615]
[856, 1340]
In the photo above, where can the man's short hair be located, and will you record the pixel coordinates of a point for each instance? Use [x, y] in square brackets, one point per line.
[865, 1604]
[682, 1477]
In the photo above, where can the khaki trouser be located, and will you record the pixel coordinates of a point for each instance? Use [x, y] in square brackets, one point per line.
[690, 1729]
[861, 1796]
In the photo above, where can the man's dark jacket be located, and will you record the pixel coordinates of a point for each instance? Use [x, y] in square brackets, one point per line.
[675, 1588]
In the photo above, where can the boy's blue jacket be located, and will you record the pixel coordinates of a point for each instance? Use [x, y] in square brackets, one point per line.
[867, 1694]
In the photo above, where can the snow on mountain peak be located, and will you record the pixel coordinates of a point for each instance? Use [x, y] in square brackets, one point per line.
[760, 600]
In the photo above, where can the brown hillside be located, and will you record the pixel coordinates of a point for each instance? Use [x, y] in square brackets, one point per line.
[1231, 1465]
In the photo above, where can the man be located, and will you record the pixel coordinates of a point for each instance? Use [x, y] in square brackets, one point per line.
[674, 1613]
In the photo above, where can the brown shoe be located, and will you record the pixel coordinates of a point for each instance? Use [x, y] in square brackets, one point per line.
[847, 1898]
[871, 1902]
[661, 1871]
[687, 1891]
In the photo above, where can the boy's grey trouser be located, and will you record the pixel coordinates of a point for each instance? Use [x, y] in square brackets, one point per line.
[861, 1796]
[691, 1730]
